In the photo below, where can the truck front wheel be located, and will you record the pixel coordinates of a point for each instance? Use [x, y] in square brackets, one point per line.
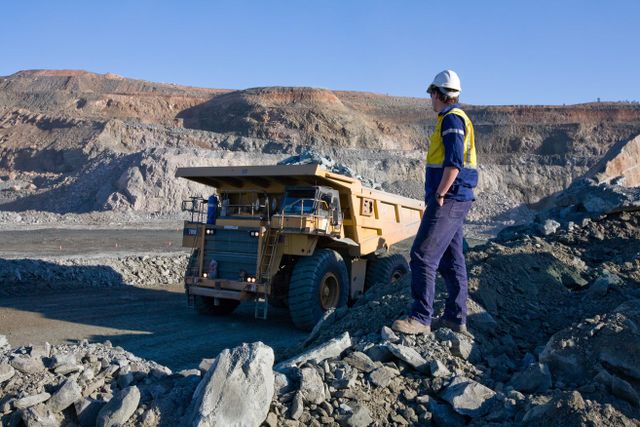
[206, 305]
[318, 282]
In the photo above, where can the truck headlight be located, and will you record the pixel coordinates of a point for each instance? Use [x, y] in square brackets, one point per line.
[205, 275]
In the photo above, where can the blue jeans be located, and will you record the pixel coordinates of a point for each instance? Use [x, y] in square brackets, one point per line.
[438, 247]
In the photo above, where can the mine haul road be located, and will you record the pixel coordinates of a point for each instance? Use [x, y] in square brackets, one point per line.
[151, 322]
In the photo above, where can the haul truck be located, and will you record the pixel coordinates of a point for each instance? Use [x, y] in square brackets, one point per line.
[295, 236]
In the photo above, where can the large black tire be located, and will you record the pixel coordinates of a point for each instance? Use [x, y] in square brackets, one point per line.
[385, 269]
[279, 297]
[205, 305]
[318, 282]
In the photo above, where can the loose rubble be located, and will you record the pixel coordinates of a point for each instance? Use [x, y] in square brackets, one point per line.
[310, 156]
[102, 385]
[18, 276]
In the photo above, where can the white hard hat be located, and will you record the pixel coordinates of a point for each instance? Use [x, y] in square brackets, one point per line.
[448, 81]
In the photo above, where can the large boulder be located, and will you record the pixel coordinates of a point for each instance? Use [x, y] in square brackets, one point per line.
[66, 395]
[409, 356]
[311, 386]
[6, 372]
[468, 397]
[237, 390]
[39, 416]
[32, 400]
[328, 350]
[536, 378]
[612, 185]
[119, 409]
[28, 365]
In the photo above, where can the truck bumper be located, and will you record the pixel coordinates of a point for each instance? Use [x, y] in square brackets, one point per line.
[226, 289]
[218, 293]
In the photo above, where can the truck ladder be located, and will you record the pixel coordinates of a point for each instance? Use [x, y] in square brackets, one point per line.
[193, 265]
[266, 263]
[196, 207]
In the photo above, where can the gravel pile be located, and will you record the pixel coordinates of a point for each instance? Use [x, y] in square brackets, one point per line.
[19, 276]
[87, 385]
[130, 219]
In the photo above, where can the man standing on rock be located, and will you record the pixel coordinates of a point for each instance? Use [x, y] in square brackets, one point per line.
[451, 176]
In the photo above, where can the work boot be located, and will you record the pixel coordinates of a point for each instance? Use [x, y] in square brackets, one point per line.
[410, 326]
[455, 327]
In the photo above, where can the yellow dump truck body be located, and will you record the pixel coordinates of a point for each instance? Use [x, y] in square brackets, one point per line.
[373, 219]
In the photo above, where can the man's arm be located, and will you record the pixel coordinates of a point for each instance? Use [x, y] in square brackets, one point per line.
[453, 131]
[448, 176]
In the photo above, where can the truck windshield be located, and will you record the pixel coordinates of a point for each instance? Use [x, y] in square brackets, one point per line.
[299, 202]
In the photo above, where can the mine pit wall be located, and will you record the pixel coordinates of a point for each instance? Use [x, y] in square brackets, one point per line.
[543, 153]
[525, 153]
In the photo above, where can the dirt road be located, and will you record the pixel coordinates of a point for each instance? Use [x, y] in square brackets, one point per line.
[151, 323]
[70, 242]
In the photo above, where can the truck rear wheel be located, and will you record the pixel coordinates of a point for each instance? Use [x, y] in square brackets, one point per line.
[206, 305]
[318, 282]
[385, 269]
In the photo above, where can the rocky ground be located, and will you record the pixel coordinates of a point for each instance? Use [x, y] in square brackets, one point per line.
[554, 341]
[89, 384]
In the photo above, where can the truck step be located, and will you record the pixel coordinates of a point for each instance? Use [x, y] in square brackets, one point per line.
[261, 307]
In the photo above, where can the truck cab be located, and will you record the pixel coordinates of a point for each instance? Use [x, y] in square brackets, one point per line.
[311, 209]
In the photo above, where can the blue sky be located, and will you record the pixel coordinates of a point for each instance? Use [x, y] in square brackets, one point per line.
[506, 52]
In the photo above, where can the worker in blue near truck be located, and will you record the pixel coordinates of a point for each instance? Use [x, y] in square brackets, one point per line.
[451, 176]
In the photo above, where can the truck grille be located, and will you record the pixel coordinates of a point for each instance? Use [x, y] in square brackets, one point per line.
[235, 251]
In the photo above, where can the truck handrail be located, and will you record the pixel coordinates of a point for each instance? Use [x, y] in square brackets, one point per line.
[195, 206]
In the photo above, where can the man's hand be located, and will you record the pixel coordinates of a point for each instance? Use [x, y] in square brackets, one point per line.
[448, 176]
